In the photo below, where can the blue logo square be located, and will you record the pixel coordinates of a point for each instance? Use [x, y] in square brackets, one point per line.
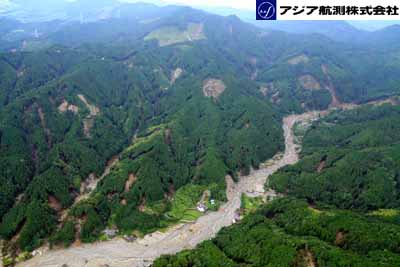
[266, 10]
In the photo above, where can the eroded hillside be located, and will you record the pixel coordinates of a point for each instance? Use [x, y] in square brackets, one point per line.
[101, 130]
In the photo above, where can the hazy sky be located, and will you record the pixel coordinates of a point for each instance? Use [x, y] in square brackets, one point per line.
[242, 4]
[239, 4]
[248, 5]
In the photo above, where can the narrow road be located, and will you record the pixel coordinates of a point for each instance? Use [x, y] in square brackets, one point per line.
[119, 253]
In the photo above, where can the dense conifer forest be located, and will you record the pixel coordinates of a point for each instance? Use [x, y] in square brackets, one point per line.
[124, 123]
[340, 204]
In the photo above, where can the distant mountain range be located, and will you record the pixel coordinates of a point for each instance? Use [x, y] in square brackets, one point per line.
[180, 96]
[31, 11]
[45, 10]
[85, 11]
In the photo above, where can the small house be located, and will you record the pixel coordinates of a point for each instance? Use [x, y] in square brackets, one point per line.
[202, 208]
[110, 233]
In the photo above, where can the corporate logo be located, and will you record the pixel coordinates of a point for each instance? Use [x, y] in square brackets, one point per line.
[266, 10]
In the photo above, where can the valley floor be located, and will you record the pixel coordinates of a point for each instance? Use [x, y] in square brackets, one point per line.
[142, 252]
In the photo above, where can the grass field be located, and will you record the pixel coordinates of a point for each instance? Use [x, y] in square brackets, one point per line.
[250, 204]
[183, 207]
[173, 35]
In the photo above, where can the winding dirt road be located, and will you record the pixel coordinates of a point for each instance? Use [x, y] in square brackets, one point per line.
[119, 253]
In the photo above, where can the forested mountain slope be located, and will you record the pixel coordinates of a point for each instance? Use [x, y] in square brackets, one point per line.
[345, 211]
[288, 232]
[180, 114]
[169, 99]
[350, 160]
